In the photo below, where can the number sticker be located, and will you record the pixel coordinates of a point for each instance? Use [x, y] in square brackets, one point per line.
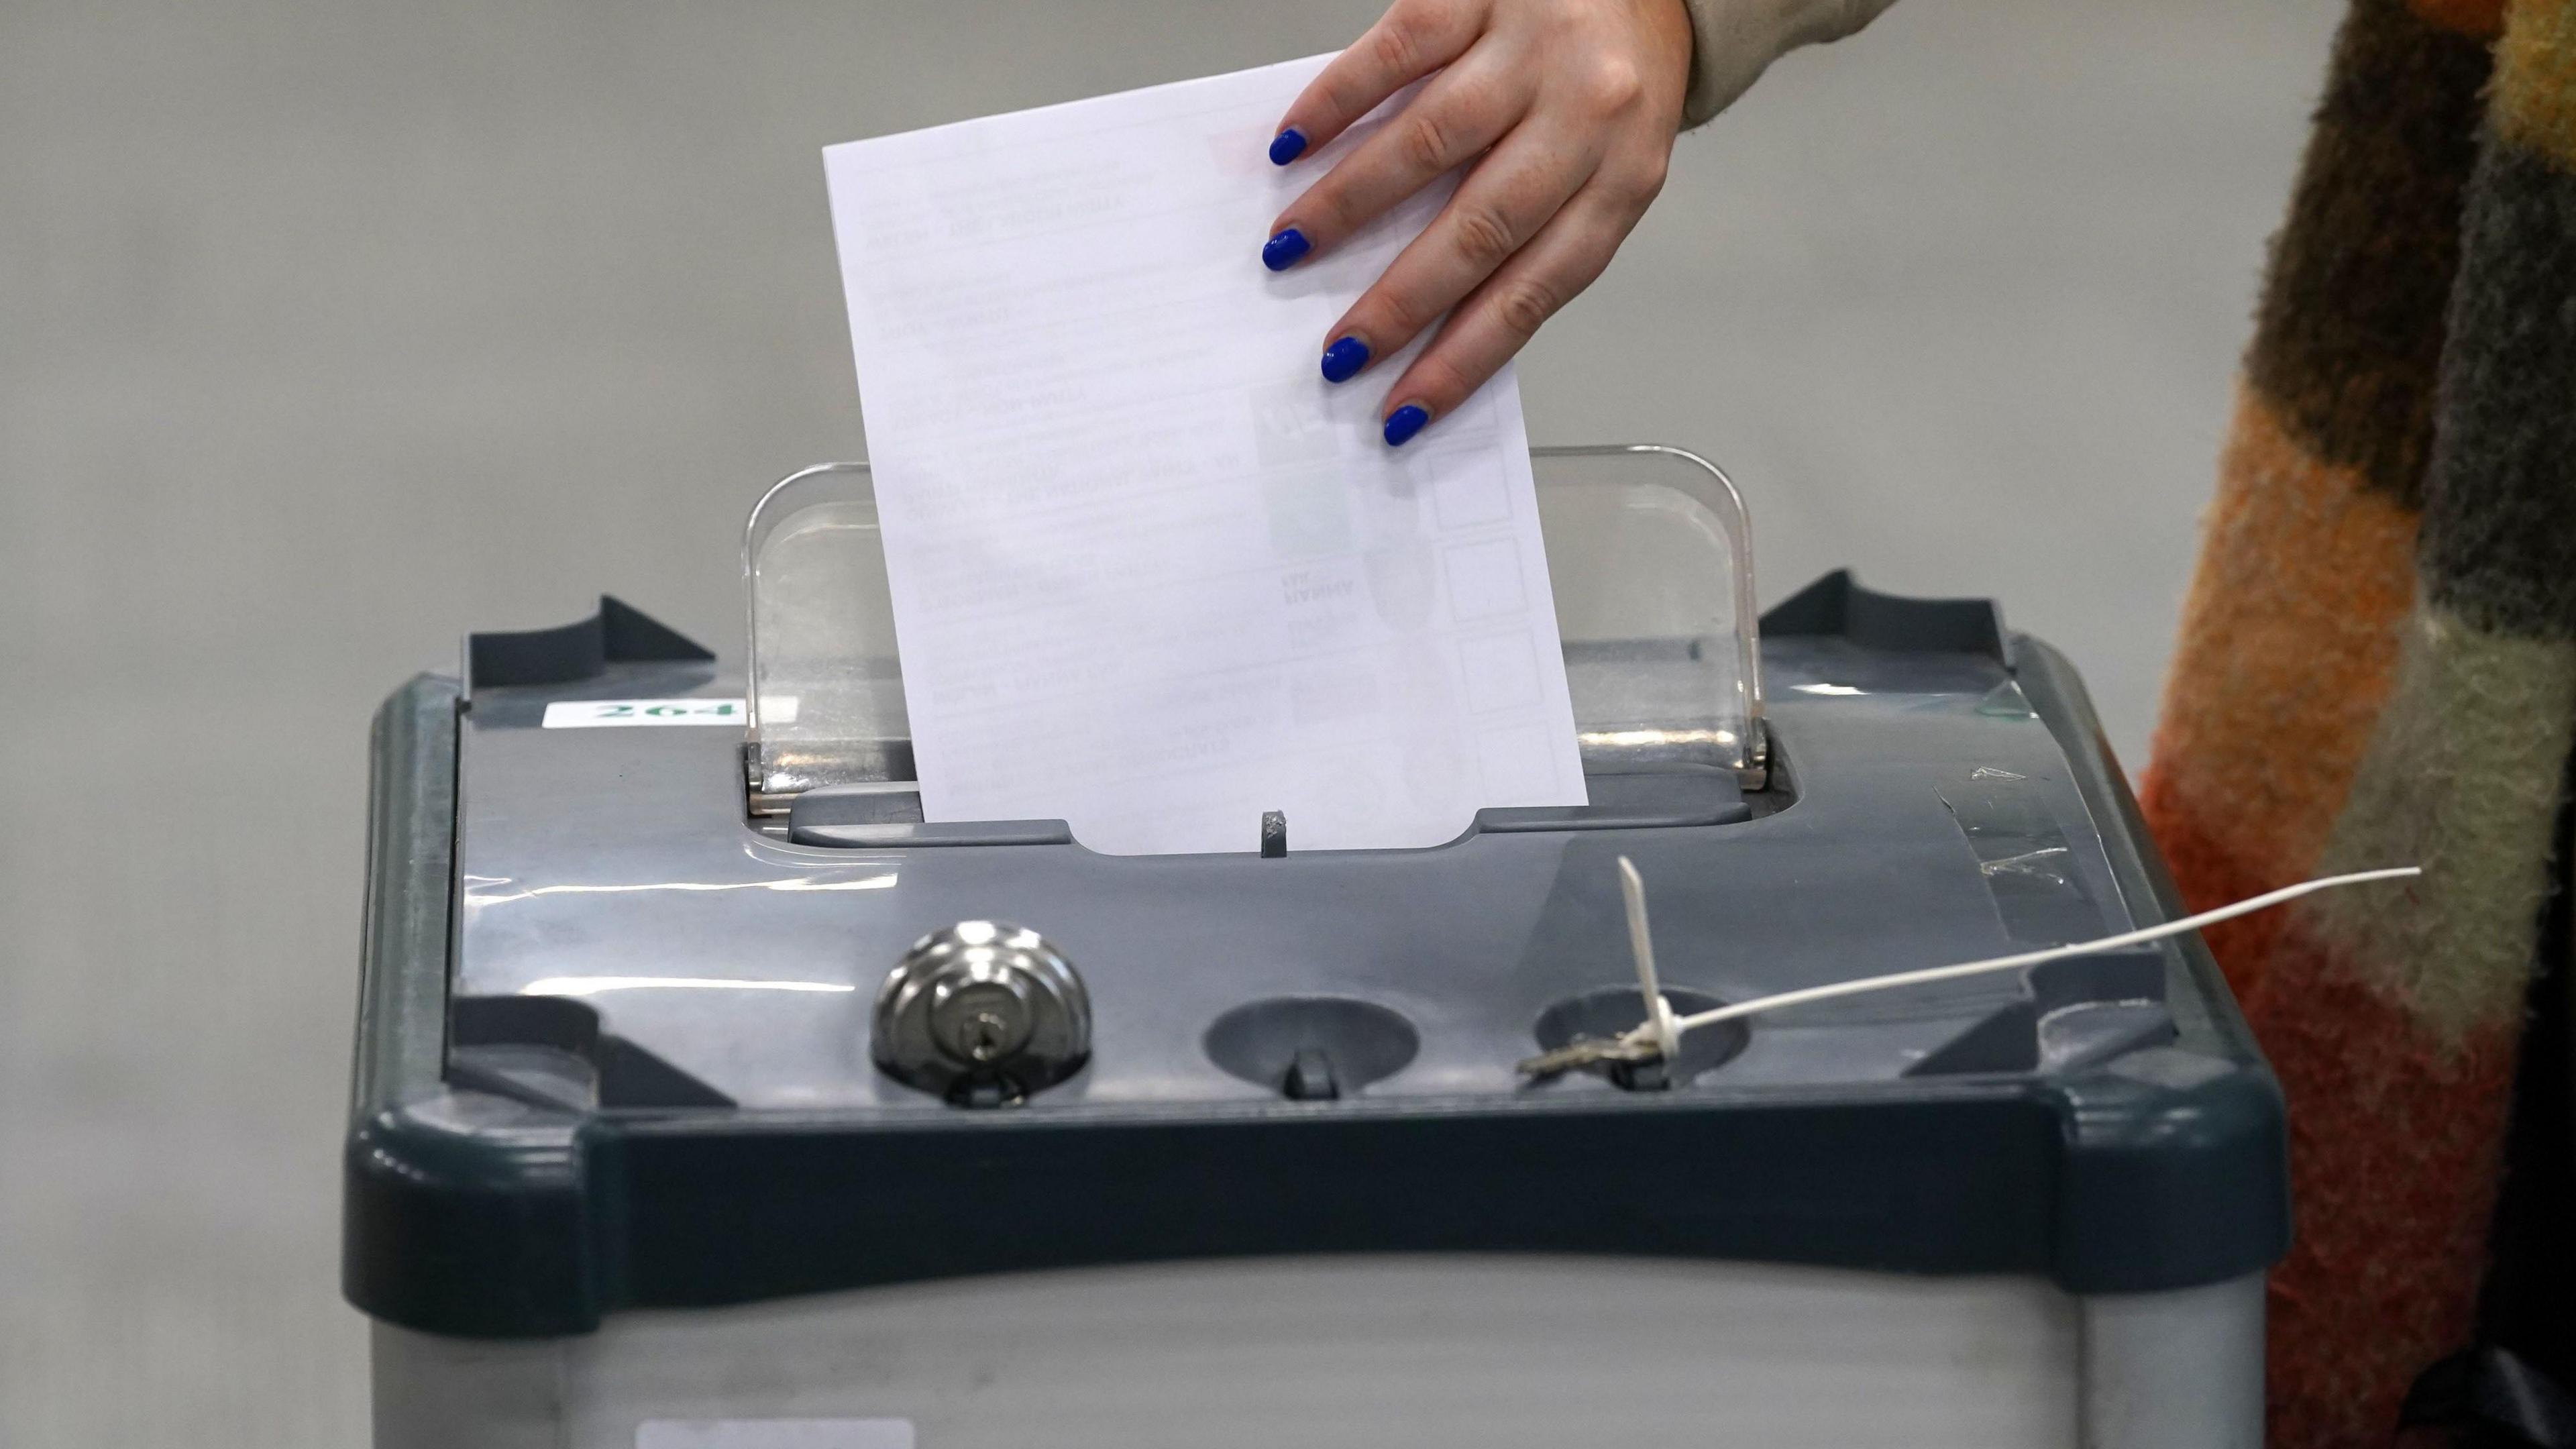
[583, 714]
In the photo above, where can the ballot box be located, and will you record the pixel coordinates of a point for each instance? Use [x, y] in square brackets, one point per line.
[706, 1095]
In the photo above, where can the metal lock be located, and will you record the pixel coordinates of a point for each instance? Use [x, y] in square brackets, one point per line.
[983, 1014]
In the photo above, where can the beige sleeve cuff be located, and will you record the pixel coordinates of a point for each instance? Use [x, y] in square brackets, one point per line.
[1734, 41]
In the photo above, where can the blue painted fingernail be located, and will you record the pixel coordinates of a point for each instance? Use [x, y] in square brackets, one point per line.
[1344, 359]
[1282, 251]
[1287, 146]
[1403, 423]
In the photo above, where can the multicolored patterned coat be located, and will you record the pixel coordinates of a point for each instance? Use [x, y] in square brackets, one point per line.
[2378, 666]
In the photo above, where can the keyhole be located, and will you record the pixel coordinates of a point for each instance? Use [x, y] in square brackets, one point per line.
[986, 1036]
[982, 1025]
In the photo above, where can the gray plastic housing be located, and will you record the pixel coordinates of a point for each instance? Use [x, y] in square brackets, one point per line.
[613, 1038]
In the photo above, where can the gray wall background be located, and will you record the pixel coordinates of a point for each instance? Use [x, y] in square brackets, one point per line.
[330, 330]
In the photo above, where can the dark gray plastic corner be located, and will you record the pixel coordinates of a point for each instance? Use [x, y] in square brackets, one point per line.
[2178, 1159]
[461, 1212]
[618, 634]
[1837, 605]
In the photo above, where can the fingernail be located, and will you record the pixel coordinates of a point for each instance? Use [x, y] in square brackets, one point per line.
[1282, 251]
[1344, 359]
[1403, 423]
[1287, 146]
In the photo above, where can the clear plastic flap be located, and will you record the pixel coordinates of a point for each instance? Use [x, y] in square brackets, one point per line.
[826, 686]
[1647, 548]
[1650, 556]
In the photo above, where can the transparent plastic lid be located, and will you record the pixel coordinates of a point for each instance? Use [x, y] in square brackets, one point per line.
[1647, 547]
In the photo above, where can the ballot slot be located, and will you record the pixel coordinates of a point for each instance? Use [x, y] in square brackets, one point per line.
[1650, 555]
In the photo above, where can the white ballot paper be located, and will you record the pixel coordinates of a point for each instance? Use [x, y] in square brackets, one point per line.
[1151, 574]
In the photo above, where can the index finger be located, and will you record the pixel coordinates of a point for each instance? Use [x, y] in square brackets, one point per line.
[1411, 40]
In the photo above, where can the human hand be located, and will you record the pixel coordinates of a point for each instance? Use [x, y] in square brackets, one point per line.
[1567, 108]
